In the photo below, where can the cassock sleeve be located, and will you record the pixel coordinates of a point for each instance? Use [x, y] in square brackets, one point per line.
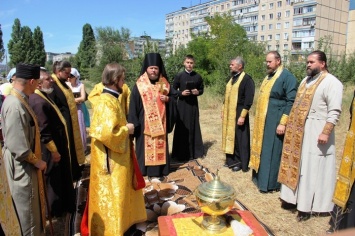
[199, 85]
[249, 93]
[290, 88]
[41, 110]
[333, 95]
[135, 110]
[15, 137]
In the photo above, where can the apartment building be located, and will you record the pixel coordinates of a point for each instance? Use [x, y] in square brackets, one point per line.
[350, 41]
[136, 46]
[293, 27]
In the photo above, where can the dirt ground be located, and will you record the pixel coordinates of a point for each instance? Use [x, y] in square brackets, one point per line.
[266, 207]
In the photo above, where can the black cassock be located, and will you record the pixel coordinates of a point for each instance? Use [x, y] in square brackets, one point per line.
[136, 117]
[58, 177]
[61, 101]
[187, 142]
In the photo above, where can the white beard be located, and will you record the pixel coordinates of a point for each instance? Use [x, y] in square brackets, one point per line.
[47, 91]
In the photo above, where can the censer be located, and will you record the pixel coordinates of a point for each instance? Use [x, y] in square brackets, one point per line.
[215, 198]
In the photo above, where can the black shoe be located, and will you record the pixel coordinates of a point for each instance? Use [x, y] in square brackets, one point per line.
[287, 206]
[246, 170]
[329, 231]
[303, 216]
[233, 165]
[236, 168]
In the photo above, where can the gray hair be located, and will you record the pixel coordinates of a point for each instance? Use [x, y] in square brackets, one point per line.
[240, 61]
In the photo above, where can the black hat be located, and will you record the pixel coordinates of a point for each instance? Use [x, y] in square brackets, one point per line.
[27, 71]
[153, 59]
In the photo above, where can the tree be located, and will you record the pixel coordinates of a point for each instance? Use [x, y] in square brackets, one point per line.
[27, 44]
[111, 46]
[2, 49]
[16, 53]
[39, 53]
[86, 56]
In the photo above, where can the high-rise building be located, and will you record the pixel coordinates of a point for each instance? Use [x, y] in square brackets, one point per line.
[137, 46]
[292, 27]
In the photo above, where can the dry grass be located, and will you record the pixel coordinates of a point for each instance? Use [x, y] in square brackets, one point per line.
[264, 206]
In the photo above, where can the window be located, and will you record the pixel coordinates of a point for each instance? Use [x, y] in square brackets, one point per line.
[271, 16]
[263, 7]
[307, 45]
[263, 17]
[288, 2]
[222, 7]
[262, 27]
[287, 13]
[297, 22]
[285, 46]
[309, 21]
[286, 36]
[279, 15]
[269, 47]
[279, 4]
[287, 24]
[278, 26]
[270, 26]
[298, 11]
[277, 36]
[296, 46]
[277, 47]
[271, 5]
[269, 37]
[262, 38]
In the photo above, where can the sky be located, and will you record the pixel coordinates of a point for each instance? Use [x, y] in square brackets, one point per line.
[61, 22]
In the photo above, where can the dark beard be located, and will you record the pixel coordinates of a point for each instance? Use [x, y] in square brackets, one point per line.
[313, 72]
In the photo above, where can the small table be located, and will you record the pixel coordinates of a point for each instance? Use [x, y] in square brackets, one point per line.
[167, 227]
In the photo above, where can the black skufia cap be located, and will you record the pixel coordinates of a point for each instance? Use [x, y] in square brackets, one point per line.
[27, 71]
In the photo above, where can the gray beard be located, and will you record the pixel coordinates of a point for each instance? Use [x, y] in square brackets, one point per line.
[47, 91]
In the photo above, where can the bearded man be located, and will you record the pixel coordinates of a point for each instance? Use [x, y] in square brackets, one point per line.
[55, 149]
[148, 111]
[307, 170]
[276, 95]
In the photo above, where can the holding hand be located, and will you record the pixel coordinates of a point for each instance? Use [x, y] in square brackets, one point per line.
[130, 127]
[42, 165]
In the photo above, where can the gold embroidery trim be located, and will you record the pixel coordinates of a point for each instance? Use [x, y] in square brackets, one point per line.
[244, 113]
[32, 158]
[328, 128]
[51, 146]
[284, 119]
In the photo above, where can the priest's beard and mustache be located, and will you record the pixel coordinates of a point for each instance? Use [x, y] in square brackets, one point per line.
[313, 72]
[47, 90]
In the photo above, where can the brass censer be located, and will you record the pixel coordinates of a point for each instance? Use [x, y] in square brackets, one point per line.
[215, 198]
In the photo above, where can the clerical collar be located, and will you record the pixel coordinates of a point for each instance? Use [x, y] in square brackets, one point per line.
[236, 74]
[189, 72]
[111, 91]
[272, 73]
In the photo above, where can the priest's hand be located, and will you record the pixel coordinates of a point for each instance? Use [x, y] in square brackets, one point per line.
[55, 156]
[40, 164]
[186, 92]
[195, 92]
[323, 138]
[241, 121]
[280, 130]
[130, 127]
